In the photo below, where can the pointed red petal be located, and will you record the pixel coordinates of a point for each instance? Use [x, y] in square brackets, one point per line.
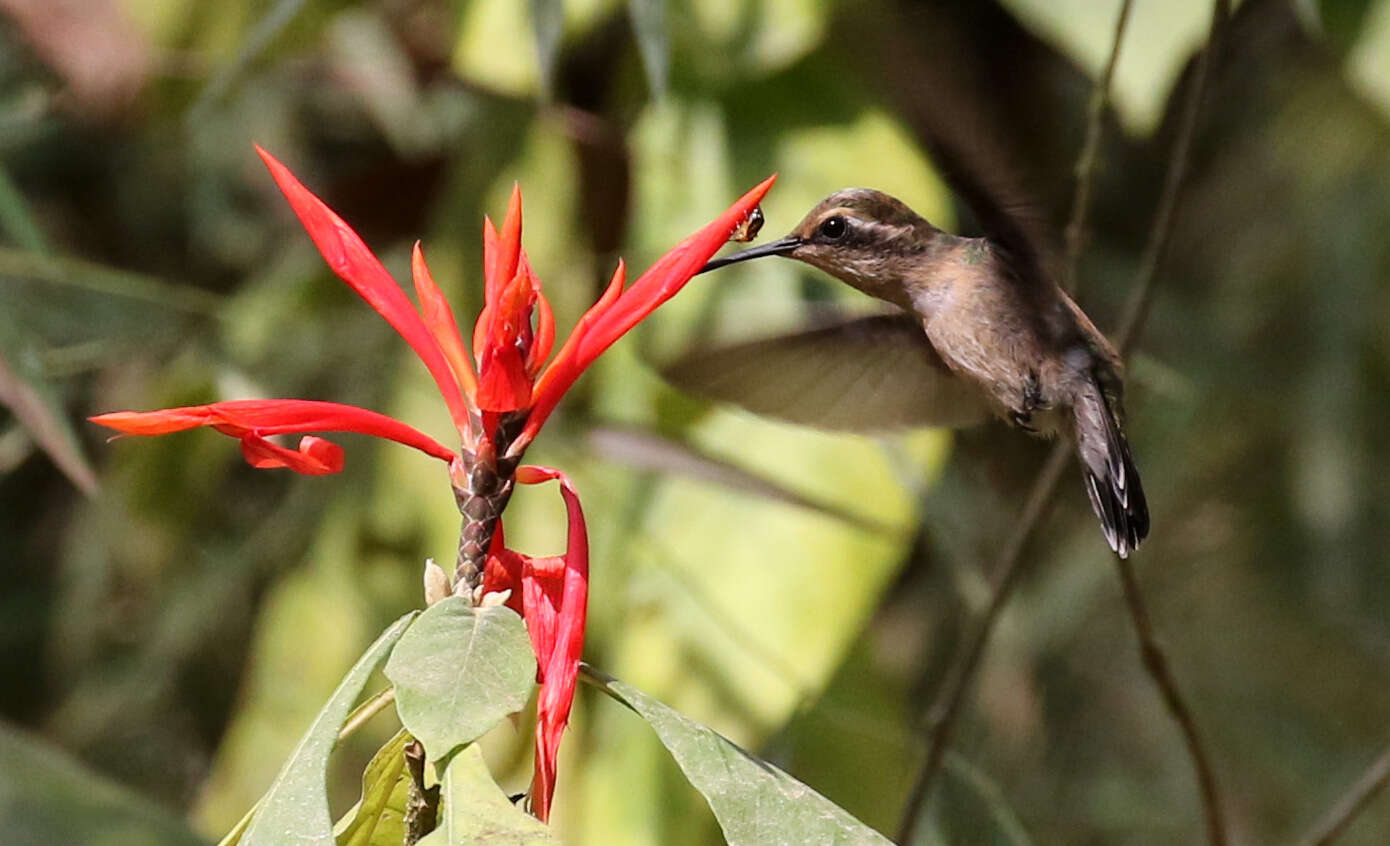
[350, 259]
[439, 318]
[160, 422]
[653, 288]
[503, 381]
[545, 334]
[504, 261]
[239, 418]
[315, 457]
[669, 275]
[491, 249]
[565, 368]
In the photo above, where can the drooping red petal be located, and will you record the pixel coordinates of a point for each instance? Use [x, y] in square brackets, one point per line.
[350, 259]
[557, 592]
[239, 418]
[611, 320]
[439, 318]
[315, 456]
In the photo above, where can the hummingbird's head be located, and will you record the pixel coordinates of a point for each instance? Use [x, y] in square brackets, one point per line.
[860, 236]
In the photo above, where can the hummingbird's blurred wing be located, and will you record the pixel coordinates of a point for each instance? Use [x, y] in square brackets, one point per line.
[868, 374]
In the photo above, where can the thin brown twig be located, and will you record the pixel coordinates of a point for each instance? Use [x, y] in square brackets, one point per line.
[941, 720]
[1154, 660]
[1334, 823]
[946, 709]
[1156, 664]
[1088, 161]
[1141, 295]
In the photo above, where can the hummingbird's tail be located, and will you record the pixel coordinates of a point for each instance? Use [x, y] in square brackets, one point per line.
[1112, 481]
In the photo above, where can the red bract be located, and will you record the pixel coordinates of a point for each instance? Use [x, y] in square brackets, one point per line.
[498, 400]
[551, 593]
[252, 420]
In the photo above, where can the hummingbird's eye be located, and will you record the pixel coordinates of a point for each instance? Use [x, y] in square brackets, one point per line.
[833, 228]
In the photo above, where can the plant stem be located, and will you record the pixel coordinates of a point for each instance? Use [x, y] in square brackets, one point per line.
[941, 720]
[1156, 664]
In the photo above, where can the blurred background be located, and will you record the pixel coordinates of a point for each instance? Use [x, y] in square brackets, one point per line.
[171, 620]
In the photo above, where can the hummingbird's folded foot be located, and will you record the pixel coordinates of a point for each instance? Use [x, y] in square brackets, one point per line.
[1031, 401]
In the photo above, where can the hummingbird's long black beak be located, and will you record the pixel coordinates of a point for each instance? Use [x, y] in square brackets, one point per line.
[780, 247]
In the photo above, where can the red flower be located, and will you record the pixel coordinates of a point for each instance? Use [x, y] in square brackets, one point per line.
[497, 407]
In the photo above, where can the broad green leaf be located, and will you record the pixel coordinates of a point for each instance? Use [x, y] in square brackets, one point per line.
[233, 837]
[459, 671]
[48, 798]
[649, 24]
[756, 803]
[378, 818]
[473, 809]
[295, 809]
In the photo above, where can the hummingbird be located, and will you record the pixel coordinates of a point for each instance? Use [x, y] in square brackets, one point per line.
[980, 327]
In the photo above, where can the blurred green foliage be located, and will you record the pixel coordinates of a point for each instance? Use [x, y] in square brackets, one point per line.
[177, 631]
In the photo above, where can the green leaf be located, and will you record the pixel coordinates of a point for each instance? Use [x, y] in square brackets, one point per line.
[475, 810]
[17, 218]
[47, 797]
[459, 671]
[378, 818]
[649, 25]
[295, 809]
[101, 279]
[756, 803]
[32, 403]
